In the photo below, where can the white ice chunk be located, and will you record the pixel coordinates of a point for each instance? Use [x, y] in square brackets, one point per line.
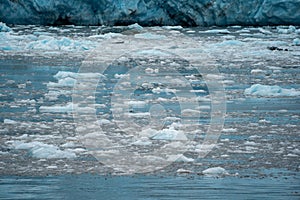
[169, 134]
[144, 141]
[42, 150]
[257, 71]
[172, 27]
[136, 26]
[184, 171]
[137, 104]
[270, 91]
[4, 27]
[9, 121]
[215, 171]
[183, 158]
[64, 43]
[57, 108]
[221, 31]
[66, 82]
[296, 42]
[231, 43]
[149, 36]
[229, 130]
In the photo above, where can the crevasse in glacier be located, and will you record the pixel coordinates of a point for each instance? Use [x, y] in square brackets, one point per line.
[151, 12]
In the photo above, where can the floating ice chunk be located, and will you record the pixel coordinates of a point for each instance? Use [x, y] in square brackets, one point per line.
[172, 27]
[296, 42]
[104, 122]
[52, 167]
[183, 171]
[136, 26]
[122, 75]
[229, 130]
[169, 134]
[198, 91]
[68, 79]
[264, 31]
[64, 43]
[286, 30]
[151, 71]
[190, 112]
[69, 145]
[214, 76]
[215, 171]
[151, 52]
[144, 141]
[149, 36]
[270, 91]
[66, 82]
[231, 43]
[221, 31]
[9, 121]
[137, 104]
[164, 90]
[4, 27]
[42, 150]
[257, 71]
[57, 108]
[183, 158]
[65, 74]
[292, 155]
[107, 36]
[250, 143]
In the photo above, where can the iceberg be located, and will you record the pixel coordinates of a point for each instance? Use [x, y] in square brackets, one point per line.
[42, 150]
[4, 27]
[50, 43]
[151, 12]
[270, 91]
[215, 172]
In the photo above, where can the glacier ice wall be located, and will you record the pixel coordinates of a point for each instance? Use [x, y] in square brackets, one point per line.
[151, 12]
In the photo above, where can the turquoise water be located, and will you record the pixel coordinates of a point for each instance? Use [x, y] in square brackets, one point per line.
[78, 187]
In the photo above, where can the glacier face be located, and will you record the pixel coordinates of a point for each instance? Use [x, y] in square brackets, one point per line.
[151, 12]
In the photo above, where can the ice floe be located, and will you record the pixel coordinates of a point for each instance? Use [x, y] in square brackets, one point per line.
[169, 134]
[296, 42]
[42, 150]
[57, 108]
[270, 91]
